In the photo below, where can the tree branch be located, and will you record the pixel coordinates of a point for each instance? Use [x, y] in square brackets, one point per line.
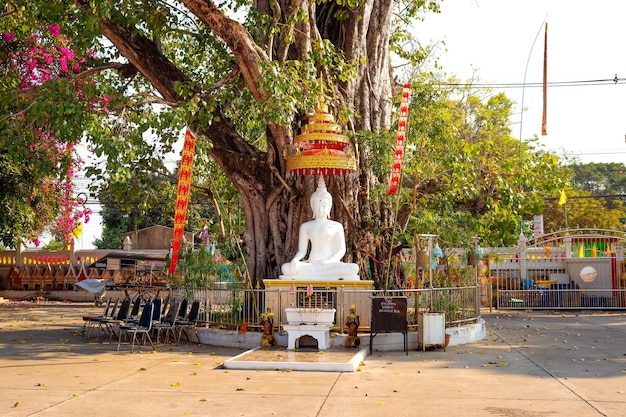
[247, 53]
[144, 55]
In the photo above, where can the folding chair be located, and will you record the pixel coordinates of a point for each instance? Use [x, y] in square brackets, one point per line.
[91, 321]
[167, 324]
[189, 322]
[142, 328]
[101, 322]
[114, 323]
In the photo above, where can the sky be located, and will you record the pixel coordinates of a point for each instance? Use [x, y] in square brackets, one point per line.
[496, 39]
[501, 41]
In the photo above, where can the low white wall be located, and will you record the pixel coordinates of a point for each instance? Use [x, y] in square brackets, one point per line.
[383, 342]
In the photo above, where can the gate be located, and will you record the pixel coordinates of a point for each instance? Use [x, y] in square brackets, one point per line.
[571, 269]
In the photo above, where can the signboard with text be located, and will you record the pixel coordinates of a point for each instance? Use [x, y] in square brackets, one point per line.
[389, 316]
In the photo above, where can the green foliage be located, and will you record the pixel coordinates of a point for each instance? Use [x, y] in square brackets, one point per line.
[594, 198]
[202, 269]
[584, 211]
[464, 173]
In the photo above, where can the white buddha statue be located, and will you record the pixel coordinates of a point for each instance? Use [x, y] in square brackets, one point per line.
[328, 246]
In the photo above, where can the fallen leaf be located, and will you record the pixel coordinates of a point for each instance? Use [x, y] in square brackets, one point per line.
[175, 384]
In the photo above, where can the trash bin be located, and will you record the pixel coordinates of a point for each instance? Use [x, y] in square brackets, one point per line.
[431, 329]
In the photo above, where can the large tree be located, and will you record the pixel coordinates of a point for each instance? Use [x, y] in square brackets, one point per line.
[243, 88]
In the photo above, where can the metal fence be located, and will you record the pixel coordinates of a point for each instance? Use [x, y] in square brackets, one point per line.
[230, 308]
[561, 299]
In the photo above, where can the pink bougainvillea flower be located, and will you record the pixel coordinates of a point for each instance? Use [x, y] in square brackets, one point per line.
[9, 36]
[63, 64]
[69, 54]
[54, 30]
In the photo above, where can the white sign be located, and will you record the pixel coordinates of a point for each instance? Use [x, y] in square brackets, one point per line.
[538, 225]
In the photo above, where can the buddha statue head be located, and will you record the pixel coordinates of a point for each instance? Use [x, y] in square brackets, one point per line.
[321, 200]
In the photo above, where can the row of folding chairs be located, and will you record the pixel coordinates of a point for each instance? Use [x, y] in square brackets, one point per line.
[94, 326]
[176, 320]
[161, 323]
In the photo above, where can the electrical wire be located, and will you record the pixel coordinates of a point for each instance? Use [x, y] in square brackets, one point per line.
[581, 83]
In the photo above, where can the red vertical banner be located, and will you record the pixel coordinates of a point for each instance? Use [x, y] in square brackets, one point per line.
[182, 196]
[398, 155]
[544, 118]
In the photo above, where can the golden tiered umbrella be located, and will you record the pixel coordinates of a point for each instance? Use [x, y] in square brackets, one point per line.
[321, 149]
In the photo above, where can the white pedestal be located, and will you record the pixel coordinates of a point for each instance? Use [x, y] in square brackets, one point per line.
[317, 316]
[321, 333]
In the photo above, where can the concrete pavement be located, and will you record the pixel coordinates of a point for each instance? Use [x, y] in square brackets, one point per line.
[531, 364]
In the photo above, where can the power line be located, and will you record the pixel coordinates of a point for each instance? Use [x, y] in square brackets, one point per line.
[581, 83]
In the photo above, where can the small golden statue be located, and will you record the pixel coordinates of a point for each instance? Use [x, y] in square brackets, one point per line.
[352, 323]
[267, 321]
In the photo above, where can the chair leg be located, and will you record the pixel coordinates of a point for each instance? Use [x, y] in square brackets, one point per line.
[119, 340]
[150, 340]
[132, 344]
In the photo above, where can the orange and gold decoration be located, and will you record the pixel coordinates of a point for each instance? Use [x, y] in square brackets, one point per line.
[321, 149]
[182, 197]
[398, 155]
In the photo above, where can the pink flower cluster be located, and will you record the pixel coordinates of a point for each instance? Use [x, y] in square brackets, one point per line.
[45, 57]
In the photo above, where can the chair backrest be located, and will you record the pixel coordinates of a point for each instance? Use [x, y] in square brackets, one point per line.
[195, 309]
[182, 311]
[122, 313]
[114, 310]
[145, 321]
[107, 307]
[156, 315]
[136, 306]
[172, 312]
[166, 305]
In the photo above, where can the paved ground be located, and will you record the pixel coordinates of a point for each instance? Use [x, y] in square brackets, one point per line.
[531, 364]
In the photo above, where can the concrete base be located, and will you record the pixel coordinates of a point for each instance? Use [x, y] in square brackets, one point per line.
[276, 359]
